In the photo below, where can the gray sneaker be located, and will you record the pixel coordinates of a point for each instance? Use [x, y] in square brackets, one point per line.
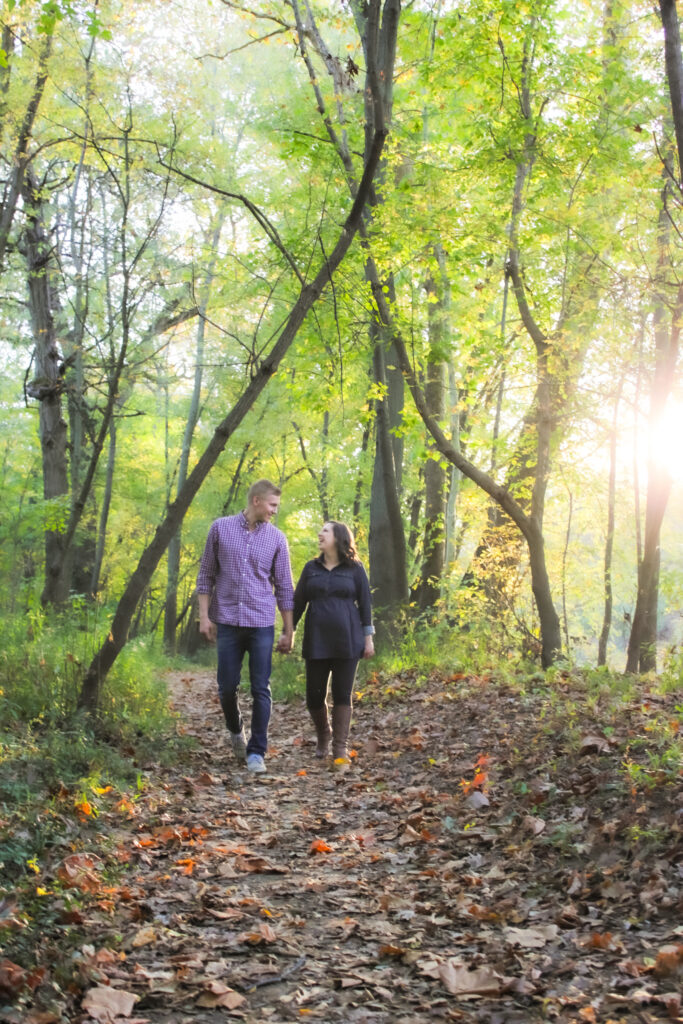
[255, 763]
[238, 741]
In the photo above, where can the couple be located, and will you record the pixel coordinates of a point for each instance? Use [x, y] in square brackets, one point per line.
[244, 573]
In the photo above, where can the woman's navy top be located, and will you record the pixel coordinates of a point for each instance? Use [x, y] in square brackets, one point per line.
[339, 611]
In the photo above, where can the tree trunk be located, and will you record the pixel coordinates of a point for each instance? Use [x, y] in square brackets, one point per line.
[20, 159]
[642, 645]
[609, 539]
[104, 511]
[434, 543]
[388, 576]
[47, 386]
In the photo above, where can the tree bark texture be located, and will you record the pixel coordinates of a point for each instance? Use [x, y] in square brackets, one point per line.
[642, 645]
[47, 385]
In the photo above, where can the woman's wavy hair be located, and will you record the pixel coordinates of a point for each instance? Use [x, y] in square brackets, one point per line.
[346, 545]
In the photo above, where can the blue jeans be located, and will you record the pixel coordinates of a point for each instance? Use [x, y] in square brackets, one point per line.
[232, 643]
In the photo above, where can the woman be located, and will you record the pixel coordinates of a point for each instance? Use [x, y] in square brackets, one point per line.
[337, 632]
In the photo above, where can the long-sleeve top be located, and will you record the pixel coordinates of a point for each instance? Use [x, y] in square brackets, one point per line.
[246, 572]
[339, 612]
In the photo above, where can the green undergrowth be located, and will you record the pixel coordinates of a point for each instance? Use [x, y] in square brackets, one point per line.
[58, 765]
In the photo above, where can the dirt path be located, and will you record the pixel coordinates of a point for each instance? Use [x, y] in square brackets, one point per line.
[466, 866]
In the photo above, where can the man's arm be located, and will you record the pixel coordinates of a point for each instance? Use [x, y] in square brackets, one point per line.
[206, 627]
[283, 586]
[286, 641]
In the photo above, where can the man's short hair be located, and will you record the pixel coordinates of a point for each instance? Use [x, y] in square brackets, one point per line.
[261, 488]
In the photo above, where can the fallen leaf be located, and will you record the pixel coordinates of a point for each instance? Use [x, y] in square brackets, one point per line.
[460, 981]
[476, 800]
[320, 846]
[105, 1003]
[78, 872]
[533, 824]
[145, 937]
[531, 938]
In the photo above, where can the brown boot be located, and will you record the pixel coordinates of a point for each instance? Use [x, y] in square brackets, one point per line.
[322, 730]
[341, 720]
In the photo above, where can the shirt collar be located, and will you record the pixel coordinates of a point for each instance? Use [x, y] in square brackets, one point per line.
[244, 523]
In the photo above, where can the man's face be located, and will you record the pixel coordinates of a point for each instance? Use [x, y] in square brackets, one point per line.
[266, 507]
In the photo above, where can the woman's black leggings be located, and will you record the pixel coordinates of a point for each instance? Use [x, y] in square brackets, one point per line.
[318, 671]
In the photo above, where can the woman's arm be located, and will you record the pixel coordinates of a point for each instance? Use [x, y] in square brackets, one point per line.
[363, 599]
[301, 594]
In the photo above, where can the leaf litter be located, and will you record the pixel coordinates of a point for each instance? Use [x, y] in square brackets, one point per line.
[468, 864]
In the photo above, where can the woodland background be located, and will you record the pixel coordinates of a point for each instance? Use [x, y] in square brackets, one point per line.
[174, 176]
[420, 264]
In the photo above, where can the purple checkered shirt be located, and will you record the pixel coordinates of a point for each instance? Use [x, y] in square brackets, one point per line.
[246, 572]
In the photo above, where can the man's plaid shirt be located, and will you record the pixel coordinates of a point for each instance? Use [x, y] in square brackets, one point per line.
[246, 572]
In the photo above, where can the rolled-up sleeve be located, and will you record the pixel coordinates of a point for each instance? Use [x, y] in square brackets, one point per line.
[283, 584]
[206, 577]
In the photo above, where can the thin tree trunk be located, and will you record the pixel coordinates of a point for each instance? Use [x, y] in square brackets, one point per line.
[609, 539]
[47, 385]
[20, 158]
[358, 494]
[388, 576]
[104, 511]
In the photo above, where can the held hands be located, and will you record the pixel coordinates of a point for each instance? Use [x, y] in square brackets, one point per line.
[285, 643]
[369, 648]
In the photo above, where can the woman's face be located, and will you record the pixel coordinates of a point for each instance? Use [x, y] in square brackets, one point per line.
[326, 542]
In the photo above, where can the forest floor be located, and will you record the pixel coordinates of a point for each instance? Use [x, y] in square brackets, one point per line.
[483, 857]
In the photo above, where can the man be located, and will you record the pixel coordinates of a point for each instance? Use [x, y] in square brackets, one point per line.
[244, 573]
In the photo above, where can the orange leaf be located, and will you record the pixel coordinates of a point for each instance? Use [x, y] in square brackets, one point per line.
[669, 960]
[390, 950]
[302, 772]
[601, 940]
[188, 864]
[320, 846]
